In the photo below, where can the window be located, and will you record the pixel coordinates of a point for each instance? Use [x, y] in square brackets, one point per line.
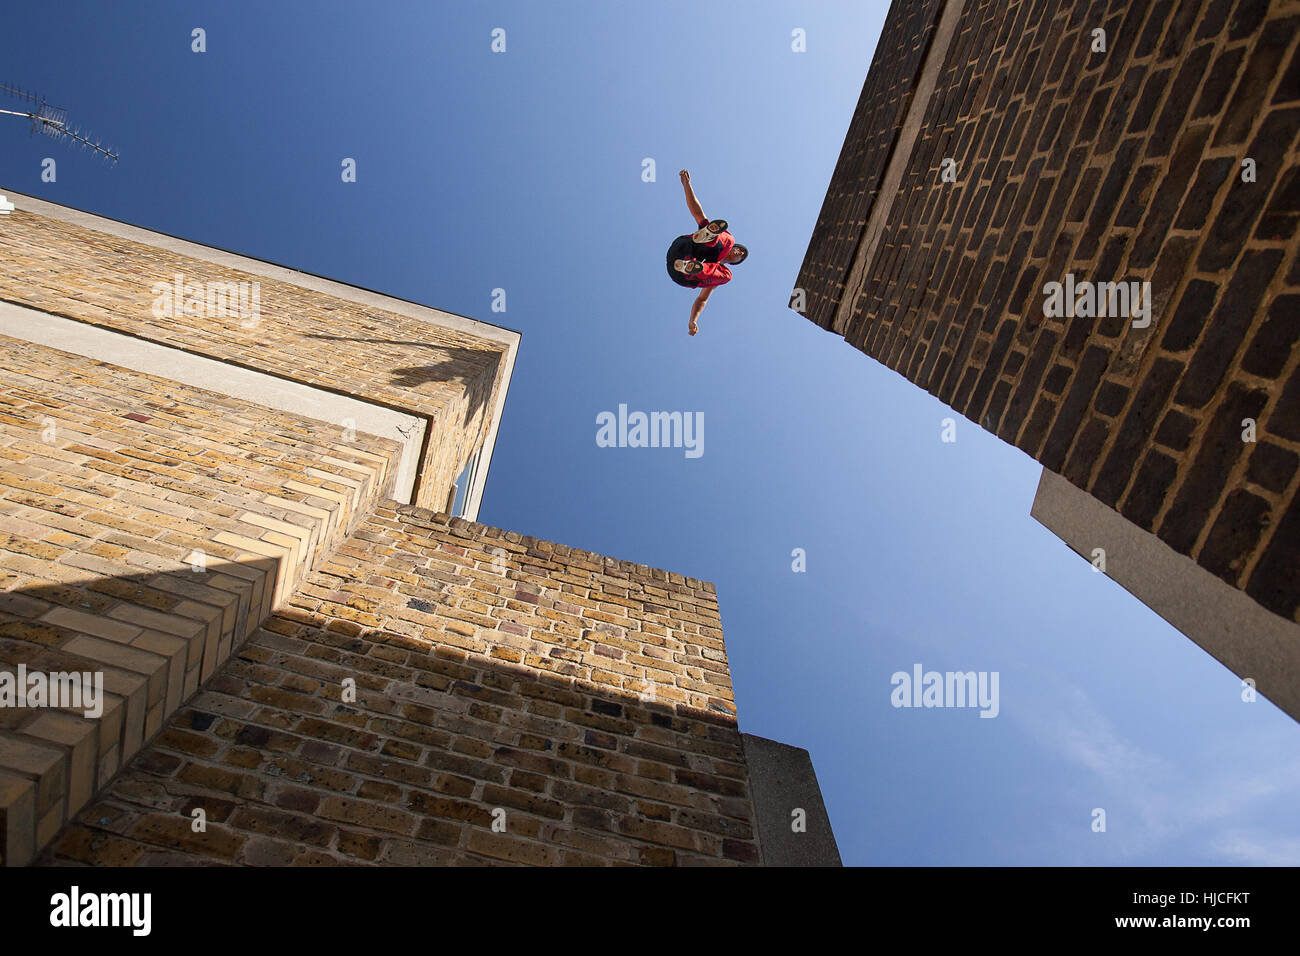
[463, 482]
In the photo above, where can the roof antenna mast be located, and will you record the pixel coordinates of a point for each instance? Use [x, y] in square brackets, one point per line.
[52, 121]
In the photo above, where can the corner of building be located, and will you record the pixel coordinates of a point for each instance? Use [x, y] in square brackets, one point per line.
[793, 826]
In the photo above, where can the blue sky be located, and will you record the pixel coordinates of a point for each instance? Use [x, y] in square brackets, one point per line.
[523, 171]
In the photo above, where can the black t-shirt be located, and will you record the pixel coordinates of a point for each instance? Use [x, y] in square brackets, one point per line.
[684, 247]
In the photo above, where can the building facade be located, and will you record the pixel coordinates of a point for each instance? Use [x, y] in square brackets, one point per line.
[235, 499]
[1075, 223]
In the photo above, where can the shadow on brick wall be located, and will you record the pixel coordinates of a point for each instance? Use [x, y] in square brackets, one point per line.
[475, 369]
[149, 639]
[320, 742]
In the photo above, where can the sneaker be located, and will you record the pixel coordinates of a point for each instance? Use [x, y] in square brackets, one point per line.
[688, 266]
[710, 231]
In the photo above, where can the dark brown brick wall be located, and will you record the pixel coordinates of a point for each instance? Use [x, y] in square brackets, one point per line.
[870, 140]
[1115, 166]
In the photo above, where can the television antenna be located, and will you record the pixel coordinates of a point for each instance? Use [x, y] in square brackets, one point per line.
[52, 121]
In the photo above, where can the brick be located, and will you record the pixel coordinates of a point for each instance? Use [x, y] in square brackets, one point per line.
[1083, 384]
[1272, 343]
[1137, 425]
[444, 832]
[1149, 489]
[1275, 582]
[1175, 431]
[17, 819]
[1245, 201]
[1272, 466]
[1111, 398]
[1108, 198]
[1214, 92]
[91, 624]
[511, 849]
[740, 851]
[498, 796]
[96, 849]
[1288, 88]
[1234, 535]
[175, 832]
[362, 813]
[1214, 18]
[211, 778]
[1174, 113]
[290, 826]
[1261, 67]
[1280, 217]
[363, 846]
[1246, 18]
[1210, 176]
[1189, 318]
[428, 804]
[1219, 451]
[1284, 420]
[1227, 328]
[651, 831]
[656, 856]
[1169, 195]
[1086, 451]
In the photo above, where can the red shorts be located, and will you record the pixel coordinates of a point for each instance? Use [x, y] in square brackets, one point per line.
[713, 273]
[716, 273]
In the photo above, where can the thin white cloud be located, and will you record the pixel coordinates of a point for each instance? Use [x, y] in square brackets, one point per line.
[1253, 848]
[1217, 805]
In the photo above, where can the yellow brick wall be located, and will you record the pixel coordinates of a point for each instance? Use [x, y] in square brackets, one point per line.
[582, 703]
[110, 480]
[585, 700]
[447, 376]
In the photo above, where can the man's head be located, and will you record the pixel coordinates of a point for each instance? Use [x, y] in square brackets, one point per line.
[737, 254]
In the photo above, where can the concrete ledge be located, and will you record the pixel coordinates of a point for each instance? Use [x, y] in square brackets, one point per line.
[1245, 637]
[781, 781]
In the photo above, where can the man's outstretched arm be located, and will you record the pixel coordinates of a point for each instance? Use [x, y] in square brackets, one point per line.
[697, 307]
[692, 203]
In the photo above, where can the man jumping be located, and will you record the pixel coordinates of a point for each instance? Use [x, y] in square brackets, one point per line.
[699, 260]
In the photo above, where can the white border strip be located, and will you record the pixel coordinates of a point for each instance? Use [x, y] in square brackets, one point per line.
[1226, 622]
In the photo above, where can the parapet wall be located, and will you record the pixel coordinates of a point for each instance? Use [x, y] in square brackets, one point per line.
[515, 701]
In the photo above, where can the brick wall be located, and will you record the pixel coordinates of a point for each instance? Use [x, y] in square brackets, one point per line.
[109, 482]
[444, 375]
[1125, 166]
[587, 698]
[585, 702]
[872, 135]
